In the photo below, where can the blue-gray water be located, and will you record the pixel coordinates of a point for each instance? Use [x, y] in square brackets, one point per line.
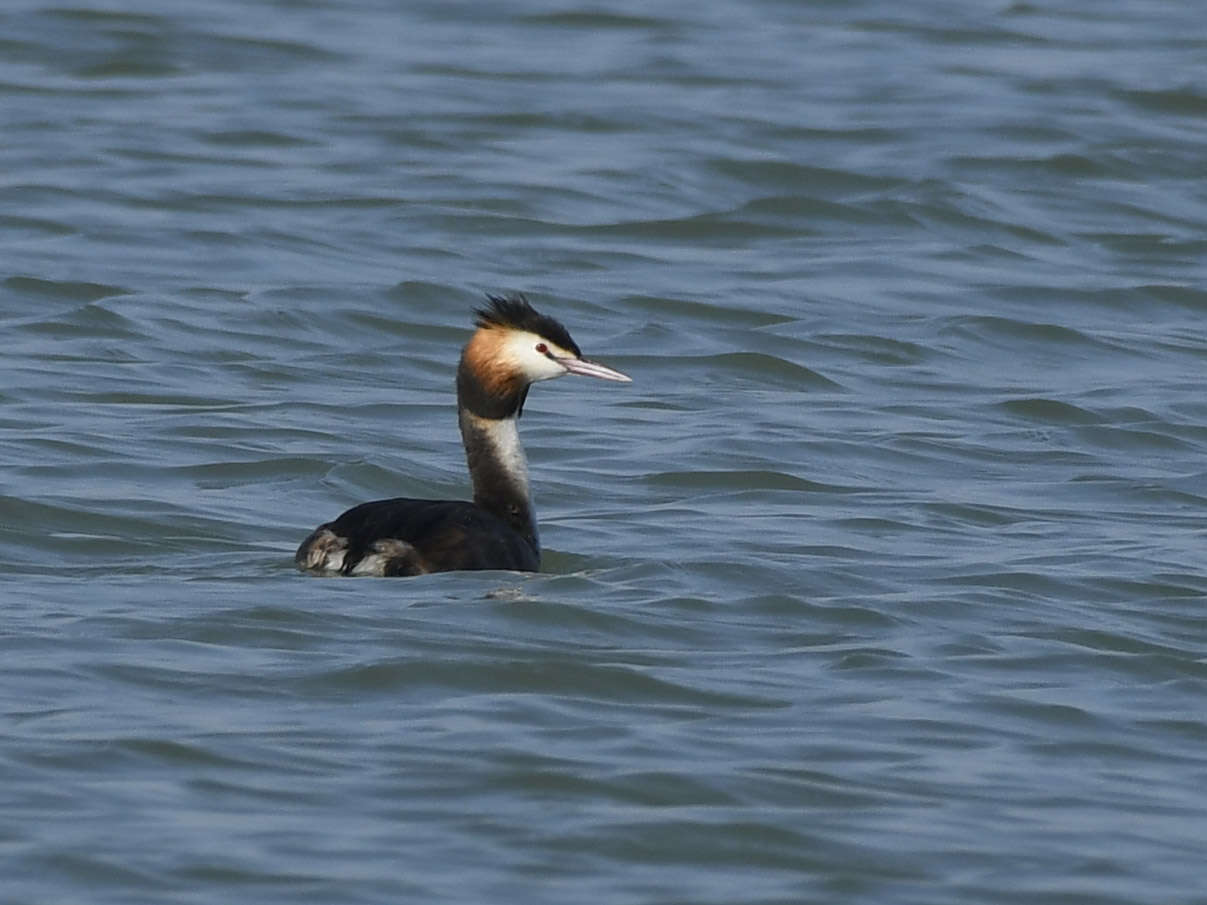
[882, 583]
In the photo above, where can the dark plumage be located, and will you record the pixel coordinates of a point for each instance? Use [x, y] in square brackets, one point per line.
[412, 537]
[514, 312]
[513, 347]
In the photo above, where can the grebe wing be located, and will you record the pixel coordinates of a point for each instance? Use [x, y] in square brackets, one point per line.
[410, 537]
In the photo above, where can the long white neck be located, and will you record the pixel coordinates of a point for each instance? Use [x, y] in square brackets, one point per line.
[499, 471]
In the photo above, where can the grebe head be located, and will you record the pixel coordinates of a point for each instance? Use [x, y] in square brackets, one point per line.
[516, 346]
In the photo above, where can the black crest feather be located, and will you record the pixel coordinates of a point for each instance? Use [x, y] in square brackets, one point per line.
[514, 311]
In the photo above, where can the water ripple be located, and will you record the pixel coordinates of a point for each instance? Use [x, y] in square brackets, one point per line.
[882, 581]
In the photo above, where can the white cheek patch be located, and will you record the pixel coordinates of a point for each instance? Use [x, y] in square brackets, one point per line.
[520, 348]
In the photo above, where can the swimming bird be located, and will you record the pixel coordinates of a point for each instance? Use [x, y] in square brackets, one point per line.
[513, 347]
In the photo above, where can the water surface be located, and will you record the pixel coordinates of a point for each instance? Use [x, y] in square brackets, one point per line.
[881, 583]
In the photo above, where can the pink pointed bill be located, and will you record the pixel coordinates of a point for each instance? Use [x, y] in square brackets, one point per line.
[586, 368]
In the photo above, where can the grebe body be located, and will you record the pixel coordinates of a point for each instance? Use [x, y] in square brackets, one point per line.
[513, 347]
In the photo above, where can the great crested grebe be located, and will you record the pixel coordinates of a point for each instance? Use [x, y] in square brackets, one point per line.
[513, 347]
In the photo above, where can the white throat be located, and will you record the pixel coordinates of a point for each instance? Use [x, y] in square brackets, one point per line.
[497, 464]
[503, 436]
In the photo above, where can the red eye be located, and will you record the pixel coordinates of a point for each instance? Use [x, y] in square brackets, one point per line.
[542, 348]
